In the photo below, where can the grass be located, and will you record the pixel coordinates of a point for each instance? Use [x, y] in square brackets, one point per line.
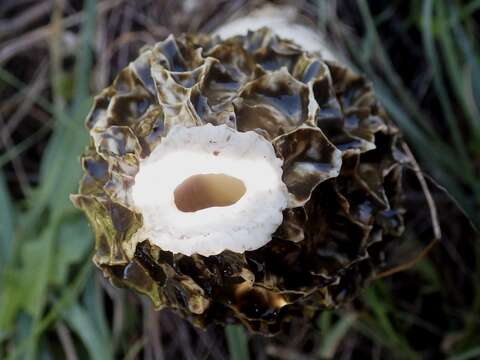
[446, 140]
[44, 302]
[49, 228]
[451, 155]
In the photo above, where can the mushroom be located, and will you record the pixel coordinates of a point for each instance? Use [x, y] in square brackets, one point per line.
[244, 178]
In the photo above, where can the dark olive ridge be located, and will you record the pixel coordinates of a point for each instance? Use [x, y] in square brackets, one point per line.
[342, 164]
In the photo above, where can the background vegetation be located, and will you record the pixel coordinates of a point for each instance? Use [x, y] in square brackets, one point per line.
[424, 60]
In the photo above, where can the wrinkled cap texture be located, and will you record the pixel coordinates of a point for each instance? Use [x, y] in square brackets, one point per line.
[342, 166]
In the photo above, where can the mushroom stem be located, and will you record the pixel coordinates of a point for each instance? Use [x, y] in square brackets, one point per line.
[203, 191]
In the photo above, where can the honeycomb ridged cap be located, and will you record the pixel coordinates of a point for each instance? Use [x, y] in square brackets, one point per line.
[337, 153]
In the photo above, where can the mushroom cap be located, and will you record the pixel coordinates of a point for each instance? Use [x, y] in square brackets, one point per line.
[341, 168]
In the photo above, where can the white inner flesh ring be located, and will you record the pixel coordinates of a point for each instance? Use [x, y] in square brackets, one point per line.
[238, 160]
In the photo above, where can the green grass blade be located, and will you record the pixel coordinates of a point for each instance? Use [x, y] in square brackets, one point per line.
[68, 296]
[237, 342]
[391, 77]
[380, 307]
[94, 304]
[475, 88]
[438, 154]
[454, 65]
[470, 8]
[60, 171]
[325, 321]
[439, 85]
[322, 14]
[74, 242]
[134, 350]
[35, 275]
[467, 355]
[84, 55]
[81, 322]
[23, 145]
[368, 327]
[380, 312]
[332, 338]
[10, 292]
[6, 225]
[59, 176]
[13, 81]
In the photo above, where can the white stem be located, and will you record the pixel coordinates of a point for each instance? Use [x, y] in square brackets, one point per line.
[282, 20]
